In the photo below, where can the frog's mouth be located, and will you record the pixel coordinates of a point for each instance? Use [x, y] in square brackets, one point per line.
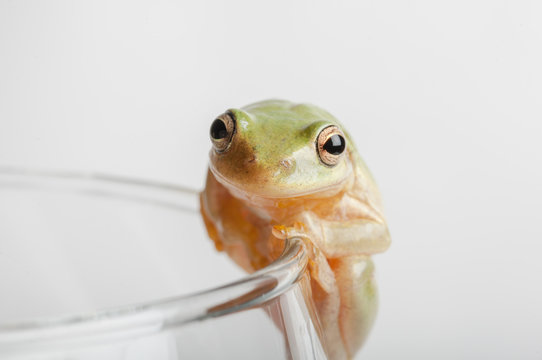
[259, 193]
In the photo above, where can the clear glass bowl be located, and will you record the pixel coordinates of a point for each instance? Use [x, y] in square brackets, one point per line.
[100, 267]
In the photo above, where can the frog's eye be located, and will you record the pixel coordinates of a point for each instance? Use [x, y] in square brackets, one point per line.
[330, 145]
[222, 130]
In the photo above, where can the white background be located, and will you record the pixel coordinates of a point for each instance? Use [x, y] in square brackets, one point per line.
[444, 100]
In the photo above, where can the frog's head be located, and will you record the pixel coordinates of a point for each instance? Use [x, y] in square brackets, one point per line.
[277, 149]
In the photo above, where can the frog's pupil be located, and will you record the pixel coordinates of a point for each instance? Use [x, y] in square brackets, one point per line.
[335, 145]
[218, 130]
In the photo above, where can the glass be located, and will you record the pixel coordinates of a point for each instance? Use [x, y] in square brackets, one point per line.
[100, 267]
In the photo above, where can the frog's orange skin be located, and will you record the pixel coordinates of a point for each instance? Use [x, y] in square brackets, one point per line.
[338, 214]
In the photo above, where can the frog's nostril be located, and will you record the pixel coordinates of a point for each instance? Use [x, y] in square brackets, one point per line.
[251, 159]
[287, 163]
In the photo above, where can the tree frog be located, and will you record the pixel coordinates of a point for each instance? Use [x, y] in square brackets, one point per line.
[280, 170]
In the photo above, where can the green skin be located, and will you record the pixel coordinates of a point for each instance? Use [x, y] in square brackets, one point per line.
[276, 133]
[271, 171]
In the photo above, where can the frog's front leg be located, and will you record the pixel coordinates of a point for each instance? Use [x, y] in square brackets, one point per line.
[359, 298]
[354, 237]
[340, 238]
[347, 248]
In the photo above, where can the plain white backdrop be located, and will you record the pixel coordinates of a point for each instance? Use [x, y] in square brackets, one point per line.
[444, 100]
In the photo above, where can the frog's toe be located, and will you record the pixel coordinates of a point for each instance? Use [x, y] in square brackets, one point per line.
[280, 232]
[285, 232]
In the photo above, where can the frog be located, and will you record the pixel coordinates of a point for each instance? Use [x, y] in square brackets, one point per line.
[280, 170]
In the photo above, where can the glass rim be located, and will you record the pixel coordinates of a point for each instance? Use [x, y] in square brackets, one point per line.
[248, 292]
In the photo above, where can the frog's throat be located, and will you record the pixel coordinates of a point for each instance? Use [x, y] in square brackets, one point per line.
[241, 193]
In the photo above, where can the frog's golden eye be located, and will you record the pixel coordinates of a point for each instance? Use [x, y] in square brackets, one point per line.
[222, 130]
[330, 145]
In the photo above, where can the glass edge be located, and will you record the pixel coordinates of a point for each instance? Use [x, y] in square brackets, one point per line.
[248, 292]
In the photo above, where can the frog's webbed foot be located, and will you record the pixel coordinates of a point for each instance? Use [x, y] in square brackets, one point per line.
[318, 265]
